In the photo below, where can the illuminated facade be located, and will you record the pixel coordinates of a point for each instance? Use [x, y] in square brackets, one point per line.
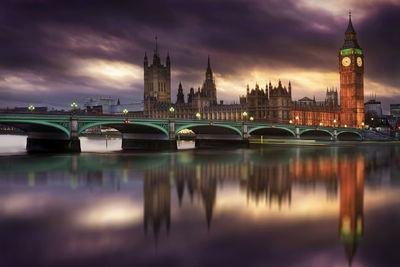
[351, 110]
[271, 103]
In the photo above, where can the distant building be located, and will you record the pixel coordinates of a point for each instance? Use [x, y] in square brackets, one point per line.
[395, 110]
[108, 105]
[26, 109]
[271, 103]
[307, 111]
[373, 107]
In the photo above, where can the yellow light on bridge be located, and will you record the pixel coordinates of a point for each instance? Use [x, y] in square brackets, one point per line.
[198, 115]
[290, 121]
[252, 118]
[297, 118]
[345, 126]
[320, 124]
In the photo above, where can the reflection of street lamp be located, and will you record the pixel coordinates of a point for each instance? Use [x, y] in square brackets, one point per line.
[172, 110]
[198, 115]
[251, 118]
[31, 108]
[244, 115]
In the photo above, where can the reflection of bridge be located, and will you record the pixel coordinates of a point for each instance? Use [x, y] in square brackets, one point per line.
[61, 132]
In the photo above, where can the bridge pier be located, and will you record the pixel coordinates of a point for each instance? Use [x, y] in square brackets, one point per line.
[147, 142]
[38, 145]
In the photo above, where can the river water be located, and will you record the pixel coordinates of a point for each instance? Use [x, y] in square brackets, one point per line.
[268, 206]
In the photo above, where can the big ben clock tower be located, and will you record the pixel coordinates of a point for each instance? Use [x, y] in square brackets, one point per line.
[351, 69]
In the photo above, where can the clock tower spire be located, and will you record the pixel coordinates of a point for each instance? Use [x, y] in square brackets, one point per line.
[351, 69]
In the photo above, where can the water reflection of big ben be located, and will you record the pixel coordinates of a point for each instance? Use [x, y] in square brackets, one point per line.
[351, 218]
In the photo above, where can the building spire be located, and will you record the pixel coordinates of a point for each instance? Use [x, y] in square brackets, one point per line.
[209, 74]
[156, 45]
[350, 28]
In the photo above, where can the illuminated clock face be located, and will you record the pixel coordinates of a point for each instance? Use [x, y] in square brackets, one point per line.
[359, 61]
[346, 61]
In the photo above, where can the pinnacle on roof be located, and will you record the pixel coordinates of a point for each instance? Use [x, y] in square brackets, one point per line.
[350, 28]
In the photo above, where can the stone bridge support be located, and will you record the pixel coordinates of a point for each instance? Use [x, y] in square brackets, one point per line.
[223, 140]
[54, 141]
[150, 141]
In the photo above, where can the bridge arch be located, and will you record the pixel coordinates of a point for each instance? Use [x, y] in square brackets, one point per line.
[349, 136]
[317, 133]
[17, 124]
[122, 124]
[287, 130]
[205, 125]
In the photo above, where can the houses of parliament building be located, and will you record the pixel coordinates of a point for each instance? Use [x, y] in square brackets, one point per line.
[272, 103]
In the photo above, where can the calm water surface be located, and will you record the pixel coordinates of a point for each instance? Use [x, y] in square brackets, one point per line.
[272, 206]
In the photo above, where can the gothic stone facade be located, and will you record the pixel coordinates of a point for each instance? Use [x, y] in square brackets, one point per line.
[351, 110]
[274, 103]
[270, 104]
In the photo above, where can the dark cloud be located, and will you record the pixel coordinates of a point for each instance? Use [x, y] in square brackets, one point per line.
[44, 38]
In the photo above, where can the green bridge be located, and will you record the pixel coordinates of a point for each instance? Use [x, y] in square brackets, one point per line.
[48, 132]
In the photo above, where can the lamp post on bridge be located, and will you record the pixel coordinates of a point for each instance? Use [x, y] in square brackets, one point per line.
[31, 108]
[244, 115]
[198, 115]
[74, 106]
[334, 129]
[172, 112]
[297, 127]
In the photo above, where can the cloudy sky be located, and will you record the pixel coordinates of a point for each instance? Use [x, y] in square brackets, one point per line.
[53, 52]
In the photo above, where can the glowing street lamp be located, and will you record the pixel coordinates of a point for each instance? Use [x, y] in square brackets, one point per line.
[334, 123]
[198, 115]
[74, 105]
[321, 124]
[125, 111]
[251, 118]
[290, 122]
[172, 110]
[31, 108]
[297, 120]
[244, 115]
[345, 126]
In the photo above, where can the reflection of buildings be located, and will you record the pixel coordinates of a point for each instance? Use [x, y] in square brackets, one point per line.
[270, 183]
[157, 200]
[351, 218]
